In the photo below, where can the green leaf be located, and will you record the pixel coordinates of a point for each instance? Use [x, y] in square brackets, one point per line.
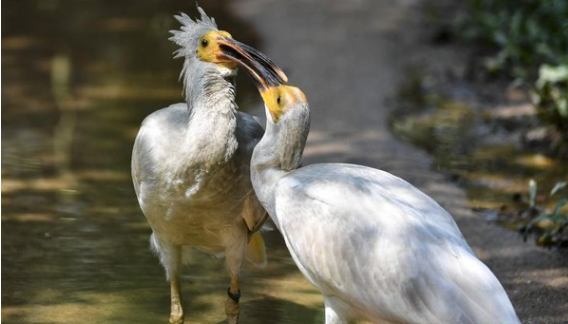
[559, 185]
[551, 74]
[540, 218]
[559, 205]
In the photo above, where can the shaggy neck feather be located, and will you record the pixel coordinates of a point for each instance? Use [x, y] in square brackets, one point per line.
[212, 116]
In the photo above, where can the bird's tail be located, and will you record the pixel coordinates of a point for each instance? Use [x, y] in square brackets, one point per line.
[256, 251]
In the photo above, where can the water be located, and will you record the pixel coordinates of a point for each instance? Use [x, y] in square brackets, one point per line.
[78, 79]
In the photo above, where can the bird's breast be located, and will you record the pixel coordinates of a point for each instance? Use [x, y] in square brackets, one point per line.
[197, 195]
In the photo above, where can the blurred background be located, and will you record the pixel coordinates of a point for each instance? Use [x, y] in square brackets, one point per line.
[466, 101]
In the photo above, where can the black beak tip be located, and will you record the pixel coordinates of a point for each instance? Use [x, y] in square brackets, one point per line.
[253, 60]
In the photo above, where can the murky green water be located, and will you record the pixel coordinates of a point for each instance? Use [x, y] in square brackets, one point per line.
[78, 79]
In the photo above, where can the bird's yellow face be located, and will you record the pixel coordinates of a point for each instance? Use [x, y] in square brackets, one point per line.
[209, 49]
[279, 99]
[220, 48]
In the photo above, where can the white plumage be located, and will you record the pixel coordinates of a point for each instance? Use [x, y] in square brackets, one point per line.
[190, 168]
[381, 250]
[375, 246]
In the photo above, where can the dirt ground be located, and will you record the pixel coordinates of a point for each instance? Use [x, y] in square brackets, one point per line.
[349, 57]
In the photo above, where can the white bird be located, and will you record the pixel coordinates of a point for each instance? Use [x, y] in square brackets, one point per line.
[375, 246]
[190, 166]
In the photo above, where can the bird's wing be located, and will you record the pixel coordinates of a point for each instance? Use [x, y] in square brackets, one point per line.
[379, 243]
[249, 132]
[135, 167]
[152, 145]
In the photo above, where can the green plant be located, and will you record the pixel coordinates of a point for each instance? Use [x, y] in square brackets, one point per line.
[550, 95]
[529, 41]
[551, 225]
[525, 33]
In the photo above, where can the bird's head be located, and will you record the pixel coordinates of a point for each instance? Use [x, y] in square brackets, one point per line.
[219, 48]
[282, 99]
[279, 99]
[209, 48]
[287, 122]
[189, 39]
[201, 43]
[211, 58]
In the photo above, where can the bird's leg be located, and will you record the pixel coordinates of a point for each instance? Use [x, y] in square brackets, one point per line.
[232, 302]
[235, 256]
[170, 256]
[176, 315]
[331, 315]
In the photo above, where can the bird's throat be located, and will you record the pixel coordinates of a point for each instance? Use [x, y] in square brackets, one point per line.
[212, 123]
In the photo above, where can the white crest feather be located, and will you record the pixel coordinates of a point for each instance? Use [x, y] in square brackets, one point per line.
[190, 31]
[187, 39]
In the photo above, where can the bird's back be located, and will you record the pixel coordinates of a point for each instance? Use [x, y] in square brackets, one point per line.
[376, 243]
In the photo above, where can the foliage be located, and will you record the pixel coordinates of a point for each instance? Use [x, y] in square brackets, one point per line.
[528, 36]
[526, 33]
[551, 225]
[551, 96]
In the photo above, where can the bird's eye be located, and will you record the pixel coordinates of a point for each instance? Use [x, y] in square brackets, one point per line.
[204, 42]
[278, 100]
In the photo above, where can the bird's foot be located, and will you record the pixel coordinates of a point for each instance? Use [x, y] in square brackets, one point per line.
[176, 315]
[232, 308]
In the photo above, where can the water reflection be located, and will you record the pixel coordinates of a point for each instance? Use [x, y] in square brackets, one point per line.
[79, 77]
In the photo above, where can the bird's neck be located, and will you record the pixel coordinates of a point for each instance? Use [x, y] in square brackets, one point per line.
[265, 172]
[212, 120]
[277, 154]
